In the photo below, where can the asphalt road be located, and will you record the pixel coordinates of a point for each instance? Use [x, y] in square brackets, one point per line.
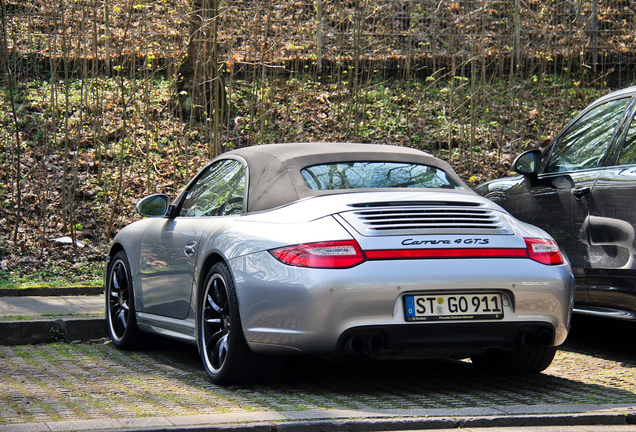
[58, 385]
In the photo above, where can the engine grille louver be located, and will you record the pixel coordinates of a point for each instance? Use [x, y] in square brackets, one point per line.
[427, 219]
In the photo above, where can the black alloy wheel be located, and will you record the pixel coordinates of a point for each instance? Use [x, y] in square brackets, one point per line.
[120, 309]
[216, 323]
[226, 357]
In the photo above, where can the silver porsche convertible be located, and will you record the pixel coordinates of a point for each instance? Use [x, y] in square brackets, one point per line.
[342, 250]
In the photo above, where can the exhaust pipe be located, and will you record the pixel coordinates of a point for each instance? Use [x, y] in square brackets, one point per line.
[354, 344]
[528, 339]
[538, 338]
[375, 343]
[357, 344]
[544, 338]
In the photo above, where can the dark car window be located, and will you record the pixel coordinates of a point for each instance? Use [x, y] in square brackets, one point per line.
[584, 143]
[371, 175]
[218, 191]
[628, 154]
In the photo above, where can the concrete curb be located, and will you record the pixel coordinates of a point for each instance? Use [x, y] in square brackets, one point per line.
[276, 422]
[404, 424]
[46, 331]
[46, 291]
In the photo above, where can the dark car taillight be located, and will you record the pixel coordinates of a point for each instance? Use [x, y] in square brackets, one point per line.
[544, 251]
[332, 254]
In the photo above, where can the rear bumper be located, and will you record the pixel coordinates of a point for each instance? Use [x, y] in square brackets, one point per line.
[288, 309]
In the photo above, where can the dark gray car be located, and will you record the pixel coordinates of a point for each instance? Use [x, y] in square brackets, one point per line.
[581, 190]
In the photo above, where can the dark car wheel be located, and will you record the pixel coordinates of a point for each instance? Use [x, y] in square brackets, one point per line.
[528, 360]
[120, 305]
[226, 356]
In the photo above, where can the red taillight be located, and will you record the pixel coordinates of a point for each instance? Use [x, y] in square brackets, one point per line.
[544, 251]
[334, 254]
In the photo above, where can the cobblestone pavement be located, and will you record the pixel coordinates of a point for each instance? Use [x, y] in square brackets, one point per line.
[65, 382]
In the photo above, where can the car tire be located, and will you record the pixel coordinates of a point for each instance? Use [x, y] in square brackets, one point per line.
[529, 360]
[226, 357]
[121, 322]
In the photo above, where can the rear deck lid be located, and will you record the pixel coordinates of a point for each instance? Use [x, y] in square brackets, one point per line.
[425, 218]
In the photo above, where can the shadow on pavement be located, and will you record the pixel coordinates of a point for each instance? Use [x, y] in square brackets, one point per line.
[610, 339]
[313, 383]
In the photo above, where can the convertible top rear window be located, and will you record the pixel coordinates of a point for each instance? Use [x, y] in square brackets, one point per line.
[374, 175]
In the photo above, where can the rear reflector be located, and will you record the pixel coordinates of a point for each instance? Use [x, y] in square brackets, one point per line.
[335, 254]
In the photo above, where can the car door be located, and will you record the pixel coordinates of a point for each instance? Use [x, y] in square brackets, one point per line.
[608, 232]
[170, 247]
[558, 199]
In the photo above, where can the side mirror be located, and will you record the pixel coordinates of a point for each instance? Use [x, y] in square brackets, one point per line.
[155, 205]
[528, 163]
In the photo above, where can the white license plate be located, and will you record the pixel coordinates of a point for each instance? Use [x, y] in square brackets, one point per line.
[447, 307]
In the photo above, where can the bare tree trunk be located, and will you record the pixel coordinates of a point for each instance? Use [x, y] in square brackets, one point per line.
[18, 154]
[54, 111]
[473, 119]
[357, 40]
[107, 35]
[219, 96]
[125, 101]
[594, 35]
[319, 36]
[200, 85]
[451, 105]
[517, 40]
[67, 84]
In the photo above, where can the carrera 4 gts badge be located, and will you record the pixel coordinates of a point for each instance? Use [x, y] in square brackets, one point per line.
[468, 241]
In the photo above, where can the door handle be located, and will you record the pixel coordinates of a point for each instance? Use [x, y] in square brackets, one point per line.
[580, 192]
[190, 248]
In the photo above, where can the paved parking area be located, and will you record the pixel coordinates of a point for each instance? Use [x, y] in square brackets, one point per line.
[64, 382]
[83, 386]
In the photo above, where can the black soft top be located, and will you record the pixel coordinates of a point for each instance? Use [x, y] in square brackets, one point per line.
[274, 177]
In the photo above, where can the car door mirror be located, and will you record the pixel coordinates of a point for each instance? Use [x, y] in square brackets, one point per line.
[527, 163]
[155, 205]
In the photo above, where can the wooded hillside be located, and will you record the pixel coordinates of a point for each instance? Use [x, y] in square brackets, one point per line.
[105, 101]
